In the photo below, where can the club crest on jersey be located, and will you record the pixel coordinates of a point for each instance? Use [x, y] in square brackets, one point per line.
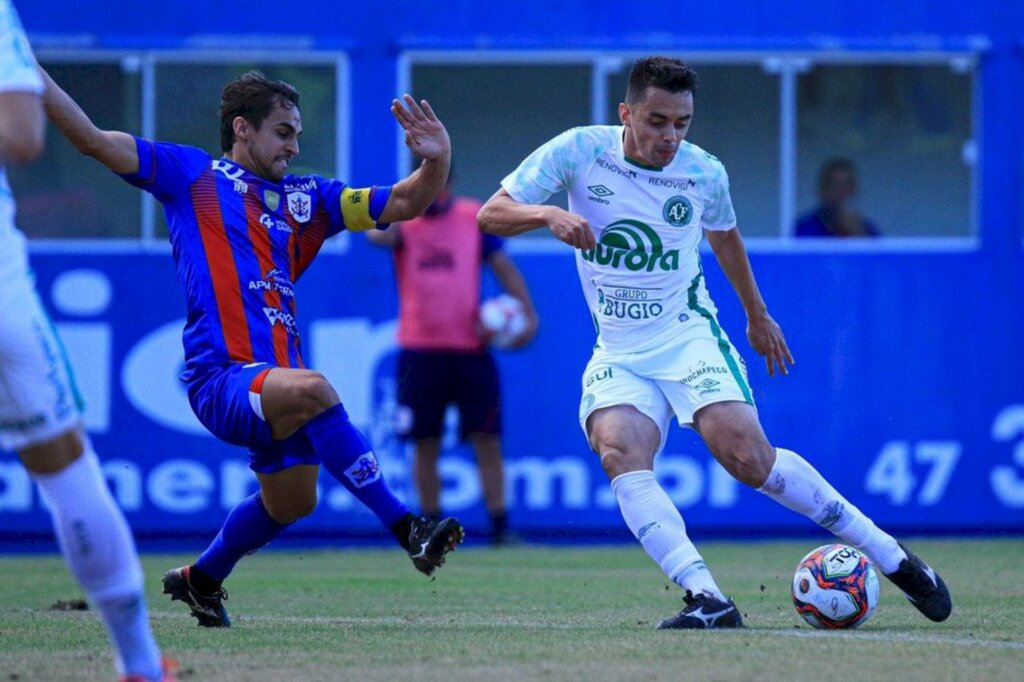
[677, 211]
[272, 199]
[299, 206]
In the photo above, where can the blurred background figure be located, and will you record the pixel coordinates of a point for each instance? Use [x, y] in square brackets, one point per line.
[837, 213]
[443, 358]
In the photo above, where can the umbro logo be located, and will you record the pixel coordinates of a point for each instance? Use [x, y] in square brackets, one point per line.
[598, 194]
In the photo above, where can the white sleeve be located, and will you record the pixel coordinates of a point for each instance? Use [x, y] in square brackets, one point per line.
[718, 214]
[549, 169]
[17, 65]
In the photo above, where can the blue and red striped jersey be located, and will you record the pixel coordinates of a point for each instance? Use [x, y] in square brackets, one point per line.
[240, 242]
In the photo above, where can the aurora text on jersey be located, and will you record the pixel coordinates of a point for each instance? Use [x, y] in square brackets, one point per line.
[240, 243]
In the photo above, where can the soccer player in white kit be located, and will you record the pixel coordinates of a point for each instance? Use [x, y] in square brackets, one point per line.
[40, 415]
[640, 198]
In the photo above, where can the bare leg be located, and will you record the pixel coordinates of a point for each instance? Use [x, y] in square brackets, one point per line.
[492, 472]
[428, 480]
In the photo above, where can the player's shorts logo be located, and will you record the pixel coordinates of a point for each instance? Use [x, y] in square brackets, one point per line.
[599, 375]
[586, 403]
[677, 211]
[708, 386]
[703, 370]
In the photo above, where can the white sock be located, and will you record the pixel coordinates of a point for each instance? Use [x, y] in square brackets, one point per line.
[657, 524]
[100, 552]
[798, 486]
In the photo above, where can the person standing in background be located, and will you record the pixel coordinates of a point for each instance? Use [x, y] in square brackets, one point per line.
[443, 358]
[837, 214]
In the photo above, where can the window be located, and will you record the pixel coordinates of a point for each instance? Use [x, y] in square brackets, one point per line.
[66, 195]
[496, 114]
[908, 131]
[172, 96]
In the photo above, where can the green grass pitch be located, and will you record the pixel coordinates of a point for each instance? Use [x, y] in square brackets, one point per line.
[527, 613]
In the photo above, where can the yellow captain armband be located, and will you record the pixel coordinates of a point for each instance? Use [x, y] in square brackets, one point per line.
[355, 209]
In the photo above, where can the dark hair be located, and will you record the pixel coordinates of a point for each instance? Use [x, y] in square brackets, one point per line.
[673, 75]
[253, 96]
[833, 165]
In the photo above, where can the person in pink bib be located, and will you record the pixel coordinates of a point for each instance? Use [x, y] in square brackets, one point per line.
[443, 356]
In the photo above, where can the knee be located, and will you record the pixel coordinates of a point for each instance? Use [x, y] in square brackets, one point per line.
[618, 459]
[624, 439]
[614, 460]
[315, 394]
[289, 511]
[747, 461]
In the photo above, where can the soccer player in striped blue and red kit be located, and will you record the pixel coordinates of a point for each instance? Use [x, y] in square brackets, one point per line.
[243, 231]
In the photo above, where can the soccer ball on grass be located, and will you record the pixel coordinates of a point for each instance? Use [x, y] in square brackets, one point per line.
[835, 587]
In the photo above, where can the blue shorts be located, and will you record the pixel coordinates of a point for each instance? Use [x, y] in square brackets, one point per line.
[226, 399]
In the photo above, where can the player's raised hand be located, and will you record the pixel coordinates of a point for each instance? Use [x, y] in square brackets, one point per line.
[425, 135]
[571, 228]
[766, 338]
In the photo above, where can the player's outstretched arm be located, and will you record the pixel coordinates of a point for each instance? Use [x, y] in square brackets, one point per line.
[504, 216]
[763, 332]
[115, 150]
[22, 127]
[427, 138]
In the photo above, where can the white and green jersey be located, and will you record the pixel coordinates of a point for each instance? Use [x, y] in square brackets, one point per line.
[643, 282]
[17, 74]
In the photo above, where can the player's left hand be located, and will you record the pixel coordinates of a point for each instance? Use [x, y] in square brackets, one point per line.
[766, 338]
[425, 135]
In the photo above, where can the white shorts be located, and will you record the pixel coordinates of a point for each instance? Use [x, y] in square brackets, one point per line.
[701, 368]
[38, 397]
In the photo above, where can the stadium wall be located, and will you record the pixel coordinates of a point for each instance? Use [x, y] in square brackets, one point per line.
[909, 387]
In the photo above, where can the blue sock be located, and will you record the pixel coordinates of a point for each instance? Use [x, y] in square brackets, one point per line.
[247, 528]
[348, 457]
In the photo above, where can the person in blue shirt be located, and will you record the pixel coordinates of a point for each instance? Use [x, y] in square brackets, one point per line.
[837, 214]
[242, 231]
